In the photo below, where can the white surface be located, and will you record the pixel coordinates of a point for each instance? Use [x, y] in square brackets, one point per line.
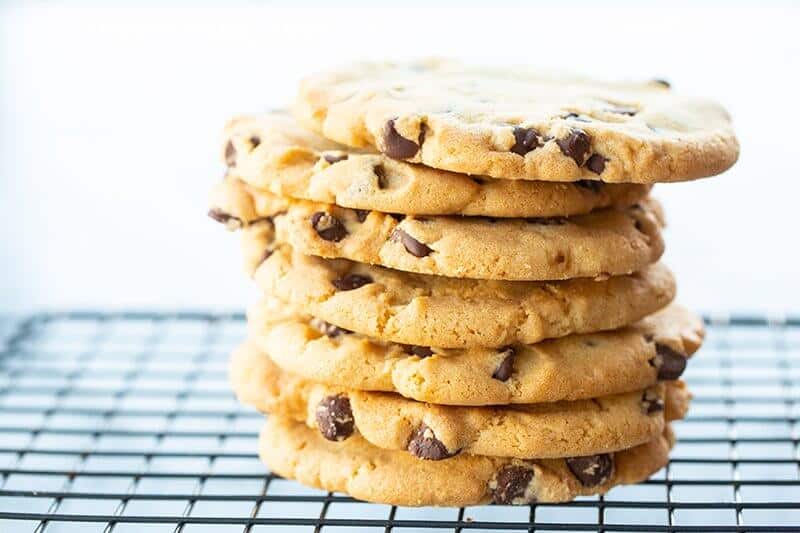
[111, 118]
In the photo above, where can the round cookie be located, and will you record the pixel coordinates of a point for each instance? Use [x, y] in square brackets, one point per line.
[519, 123]
[366, 472]
[603, 243]
[437, 432]
[570, 368]
[272, 152]
[447, 312]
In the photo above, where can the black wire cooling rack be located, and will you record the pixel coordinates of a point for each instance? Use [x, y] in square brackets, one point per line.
[123, 422]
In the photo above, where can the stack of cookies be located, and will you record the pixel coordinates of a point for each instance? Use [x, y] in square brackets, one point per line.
[462, 295]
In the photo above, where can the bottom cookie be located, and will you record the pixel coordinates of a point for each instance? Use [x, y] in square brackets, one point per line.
[366, 472]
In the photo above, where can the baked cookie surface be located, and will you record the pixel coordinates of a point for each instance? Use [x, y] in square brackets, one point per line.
[366, 472]
[272, 152]
[519, 123]
[569, 368]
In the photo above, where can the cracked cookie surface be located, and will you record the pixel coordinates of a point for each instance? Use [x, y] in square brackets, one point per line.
[570, 368]
[519, 123]
[437, 432]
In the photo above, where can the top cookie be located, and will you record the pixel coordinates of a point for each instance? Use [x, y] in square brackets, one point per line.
[519, 123]
[271, 151]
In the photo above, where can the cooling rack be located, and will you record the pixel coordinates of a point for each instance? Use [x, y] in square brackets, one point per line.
[124, 422]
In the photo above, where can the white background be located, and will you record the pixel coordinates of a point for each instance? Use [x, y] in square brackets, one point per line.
[111, 120]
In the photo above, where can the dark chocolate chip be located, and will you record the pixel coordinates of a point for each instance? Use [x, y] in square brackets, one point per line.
[576, 117]
[254, 142]
[380, 172]
[547, 221]
[662, 82]
[651, 403]
[591, 470]
[230, 154]
[506, 366]
[525, 140]
[513, 484]
[335, 418]
[596, 163]
[361, 214]
[328, 329]
[623, 110]
[230, 221]
[412, 245]
[328, 227]
[395, 145]
[576, 145]
[591, 185]
[334, 158]
[670, 363]
[425, 445]
[351, 282]
[397, 216]
[420, 351]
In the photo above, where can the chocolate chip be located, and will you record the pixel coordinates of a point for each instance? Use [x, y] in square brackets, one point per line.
[335, 418]
[328, 227]
[395, 145]
[397, 216]
[576, 145]
[361, 214]
[591, 185]
[479, 181]
[506, 367]
[412, 245]
[513, 484]
[670, 363]
[334, 158]
[231, 222]
[651, 403]
[576, 117]
[525, 140]
[230, 154]
[662, 82]
[596, 163]
[547, 221]
[425, 445]
[622, 110]
[648, 337]
[351, 282]
[420, 351]
[328, 329]
[380, 172]
[254, 142]
[591, 470]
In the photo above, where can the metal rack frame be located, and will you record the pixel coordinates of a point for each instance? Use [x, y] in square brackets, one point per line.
[120, 422]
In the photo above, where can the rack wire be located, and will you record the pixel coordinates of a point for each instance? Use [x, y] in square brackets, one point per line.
[124, 422]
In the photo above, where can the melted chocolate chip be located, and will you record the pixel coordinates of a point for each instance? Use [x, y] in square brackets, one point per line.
[395, 145]
[412, 245]
[591, 470]
[328, 227]
[670, 364]
[361, 214]
[334, 158]
[662, 82]
[335, 418]
[351, 282]
[651, 403]
[576, 117]
[425, 445]
[525, 140]
[506, 366]
[254, 142]
[591, 185]
[380, 173]
[328, 329]
[576, 145]
[397, 216]
[512, 485]
[231, 222]
[420, 351]
[622, 110]
[596, 163]
[230, 154]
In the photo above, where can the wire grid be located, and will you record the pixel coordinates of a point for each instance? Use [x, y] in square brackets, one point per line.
[124, 422]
